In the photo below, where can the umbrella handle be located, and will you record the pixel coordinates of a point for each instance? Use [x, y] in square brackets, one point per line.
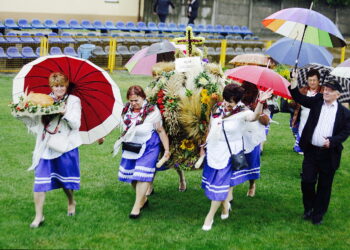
[301, 43]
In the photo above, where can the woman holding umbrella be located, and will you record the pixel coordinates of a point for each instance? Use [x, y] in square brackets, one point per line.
[56, 156]
[143, 134]
[230, 120]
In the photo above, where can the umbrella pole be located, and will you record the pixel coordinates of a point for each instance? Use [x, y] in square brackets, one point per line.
[301, 42]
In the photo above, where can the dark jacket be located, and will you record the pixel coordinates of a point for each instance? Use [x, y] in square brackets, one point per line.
[161, 7]
[341, 129]
[194, 9]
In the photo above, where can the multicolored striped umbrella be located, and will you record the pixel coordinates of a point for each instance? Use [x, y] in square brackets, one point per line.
[293, 22]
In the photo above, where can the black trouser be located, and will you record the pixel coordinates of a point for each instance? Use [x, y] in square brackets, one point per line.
[317, 168]
[162, 18]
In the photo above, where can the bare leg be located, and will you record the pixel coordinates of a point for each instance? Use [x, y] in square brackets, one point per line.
[39, 199]
[210, 216]
[251, 190]
[133, 184]
[71, 201]
[230, 195]
[182, 180]
[150, 189]
[141, 189]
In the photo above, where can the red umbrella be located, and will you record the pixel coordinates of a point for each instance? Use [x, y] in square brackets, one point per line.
[100, 96]
[262, 77]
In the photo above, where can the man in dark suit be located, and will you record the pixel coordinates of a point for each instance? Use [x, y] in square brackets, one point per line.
[326, 128]
[192, 10]
[161, 8]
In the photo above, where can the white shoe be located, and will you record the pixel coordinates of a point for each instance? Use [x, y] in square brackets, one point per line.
[225, 216]
[207, 228]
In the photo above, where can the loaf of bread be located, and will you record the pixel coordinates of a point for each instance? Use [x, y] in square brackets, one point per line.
[40, 99]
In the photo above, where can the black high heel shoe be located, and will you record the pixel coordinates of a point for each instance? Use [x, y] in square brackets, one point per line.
[33, 225]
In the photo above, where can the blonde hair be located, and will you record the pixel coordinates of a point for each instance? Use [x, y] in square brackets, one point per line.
[57, 79]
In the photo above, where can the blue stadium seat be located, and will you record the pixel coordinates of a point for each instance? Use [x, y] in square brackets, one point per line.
[171, 36]
[2, 53]
[2, 25]
[55, 51]
[123, 50]
[129, 38]
[247, 37]
[37, 51]
[70, 51]
[53, 38]
[181, 27]
[92, 37]
[37, 37]
[74, 24]
[256, 38]
[98, 25]
[199, 28]
[2, 39]
[62, 24]
[26, 38]
[24, 24]
[246, 31]
[228, 29]
[162, 27]
[120, 25]
[86, 24]
[13, 52]
[152, 26]
[12, 38]
[219, 28]
[98, 51]
[210, 28]
[236, 29]
[36, 24]
[119, 36]
[109, 25]
[172, 27]
[141, 26]
[130, 26]
[28, 52]
[238, 37]
[50, 24]
[104, 37]
[11, 24]
[67, 38]
[79, 37]
[139, 38]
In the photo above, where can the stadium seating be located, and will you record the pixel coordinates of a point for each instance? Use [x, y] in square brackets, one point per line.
[53, 38]
[120, 26]
[26, 38]
[110, 26]
[86, 24]
[130, 26]
[37, 37]
[152, 26]
[36, 24]
[210, 29]
[2, 39]
[74, 24]
[10, 24]
[12, 38]
[98, 51]
[37, 51]
[13, 52]
[141, 26]
[98, 25]
[55, 51]
[48, 23]
[67, 38]
[245, 31]
[70, 51]
[24, 24]
[80, 38]
[62, 24]
[93, 38]
[28, 52]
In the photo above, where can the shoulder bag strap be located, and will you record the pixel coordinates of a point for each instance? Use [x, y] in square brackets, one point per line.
[228, 144]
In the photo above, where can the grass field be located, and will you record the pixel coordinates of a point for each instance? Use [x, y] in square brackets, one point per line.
[270, 220]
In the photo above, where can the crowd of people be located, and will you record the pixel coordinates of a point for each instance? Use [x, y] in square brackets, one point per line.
[230, 156]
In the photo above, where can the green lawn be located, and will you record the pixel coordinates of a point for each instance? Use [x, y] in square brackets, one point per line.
[271, 220]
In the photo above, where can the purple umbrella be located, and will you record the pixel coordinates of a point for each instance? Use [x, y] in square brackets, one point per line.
[285, 51]
[305, 25]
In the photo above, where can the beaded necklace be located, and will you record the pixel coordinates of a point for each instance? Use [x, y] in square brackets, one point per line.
[220, 110]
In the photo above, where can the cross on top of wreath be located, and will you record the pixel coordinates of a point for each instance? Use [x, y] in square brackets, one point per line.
[189, 40]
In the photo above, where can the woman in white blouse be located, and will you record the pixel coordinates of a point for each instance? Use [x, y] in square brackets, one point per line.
[56, 168]
[143, 130]
[217, 170]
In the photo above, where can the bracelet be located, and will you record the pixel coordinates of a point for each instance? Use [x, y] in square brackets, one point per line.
[262, 102]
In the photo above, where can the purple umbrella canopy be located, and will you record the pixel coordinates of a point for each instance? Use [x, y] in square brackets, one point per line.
[292, 22]
[285, 51]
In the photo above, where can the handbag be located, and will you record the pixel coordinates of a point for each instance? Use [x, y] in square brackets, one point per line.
[131, 147]
[58, 142]
[238, 161]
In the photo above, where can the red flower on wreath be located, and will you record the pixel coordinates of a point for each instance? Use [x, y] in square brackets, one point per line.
[160, 93]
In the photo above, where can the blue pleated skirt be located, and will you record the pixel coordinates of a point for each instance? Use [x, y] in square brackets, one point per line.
[142, 169]
[252, 172]
[216, 182]
[61, 172]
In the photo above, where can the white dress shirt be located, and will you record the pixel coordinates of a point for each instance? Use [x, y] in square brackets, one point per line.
[325, 124]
